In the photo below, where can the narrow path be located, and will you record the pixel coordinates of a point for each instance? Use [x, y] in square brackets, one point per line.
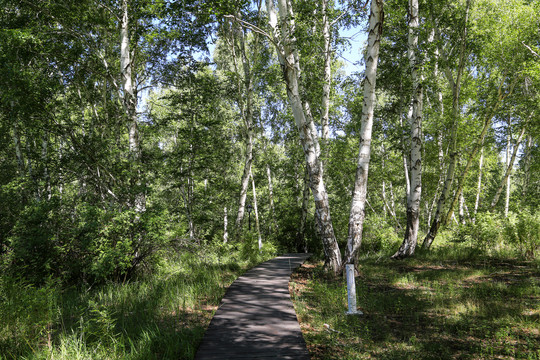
[256, 319]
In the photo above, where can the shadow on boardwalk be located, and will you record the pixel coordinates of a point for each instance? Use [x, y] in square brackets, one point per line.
[256, 319]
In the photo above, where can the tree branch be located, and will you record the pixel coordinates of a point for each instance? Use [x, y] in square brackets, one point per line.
[252, 28]
[531, 50]
[345, 12]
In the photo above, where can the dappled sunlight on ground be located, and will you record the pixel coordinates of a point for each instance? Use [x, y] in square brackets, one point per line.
[422, 310]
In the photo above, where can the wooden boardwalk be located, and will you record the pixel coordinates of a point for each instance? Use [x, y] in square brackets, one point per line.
[256, 319]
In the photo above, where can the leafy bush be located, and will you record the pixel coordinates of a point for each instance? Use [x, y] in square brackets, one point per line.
[78, 241]
[250, 249]
[378, 235]
[523, 230]
[34, 243]
[485, 235]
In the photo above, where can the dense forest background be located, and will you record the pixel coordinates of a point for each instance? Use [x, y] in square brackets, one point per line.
[124, 141]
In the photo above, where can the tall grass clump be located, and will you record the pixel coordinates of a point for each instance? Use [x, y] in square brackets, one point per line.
[158, 315]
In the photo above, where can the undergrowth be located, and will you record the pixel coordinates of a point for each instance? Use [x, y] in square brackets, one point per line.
[159, 315]
[454, 303]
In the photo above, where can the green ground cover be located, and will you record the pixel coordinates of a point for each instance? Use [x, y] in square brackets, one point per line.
[441, 305]
[159, 315]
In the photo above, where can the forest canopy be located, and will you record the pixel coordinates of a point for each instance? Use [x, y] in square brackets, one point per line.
[122, 135]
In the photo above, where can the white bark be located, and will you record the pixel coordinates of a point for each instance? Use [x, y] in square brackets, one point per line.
[274, 224]
[357, 212]
[129, 96]
[387, 206]
[455, 85]
[244, 182]
[130, 99]
[461, 212]
[18, 152]
[413, 197]
[478, 145]
[440, 184]
[509, 166]
[527, 166]
[406, 167]
[303, 217]
[327, 82]
[46, 175]
[479, 186]
[289, 60]
[29, 162]
[225, 230]
[389, 209]
[245, 91]
[508, 145]
[190, 207]
[256, 210]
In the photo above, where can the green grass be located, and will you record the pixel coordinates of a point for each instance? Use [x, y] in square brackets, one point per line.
[161, 315]
[434, 306]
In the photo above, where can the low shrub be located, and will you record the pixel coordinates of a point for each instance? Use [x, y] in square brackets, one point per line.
[82, 242]
[523, 231]
[485, 235]
[379, 236]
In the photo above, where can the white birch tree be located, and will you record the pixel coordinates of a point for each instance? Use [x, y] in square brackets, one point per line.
[455, 83]
[129, 98]
[282, 24]
[357, 212]
[415, 189]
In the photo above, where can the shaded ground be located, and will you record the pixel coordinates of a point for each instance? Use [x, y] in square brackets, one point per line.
[421, 309]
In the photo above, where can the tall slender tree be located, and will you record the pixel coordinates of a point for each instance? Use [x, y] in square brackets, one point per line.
[283, 26]
[413, 196]
[455, 82]
[357, 210]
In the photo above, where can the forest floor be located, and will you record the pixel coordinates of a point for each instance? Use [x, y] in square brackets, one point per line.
[422, 308]
[159, 315]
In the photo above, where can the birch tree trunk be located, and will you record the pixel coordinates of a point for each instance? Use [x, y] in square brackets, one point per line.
[44, 160]
[387, 206]
[413, 197]
[461, 212]
[509, 167]
[190, 207]
[29, 167]
[303, 217]
[389, 209]
[440, 183]
[507, 193]
[357, 212]
[455, 85]
[479, 186]
[527, 166]
[225, 230]
[18, 151]
[289, 60]
[129, 98]
[273, 223]
[256, 210]
[478, 145]
[327, 82]
[245, 90]
[406, 167]
[245, 181]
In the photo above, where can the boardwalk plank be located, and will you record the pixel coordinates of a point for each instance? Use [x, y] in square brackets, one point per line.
[256, 319]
